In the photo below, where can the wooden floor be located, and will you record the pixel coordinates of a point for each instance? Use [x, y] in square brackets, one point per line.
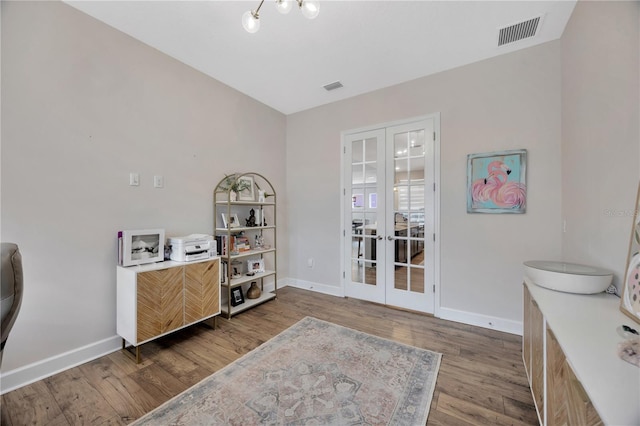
[481, 380]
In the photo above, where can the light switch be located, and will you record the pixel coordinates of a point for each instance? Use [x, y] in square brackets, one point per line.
[134, 179]
[158, 181]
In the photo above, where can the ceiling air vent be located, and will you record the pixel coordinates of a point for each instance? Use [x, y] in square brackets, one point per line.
[332, 86]
[519, 31]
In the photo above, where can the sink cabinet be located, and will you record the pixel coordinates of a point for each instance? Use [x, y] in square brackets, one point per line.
[559, 396]
[568, 402]
[533, 349]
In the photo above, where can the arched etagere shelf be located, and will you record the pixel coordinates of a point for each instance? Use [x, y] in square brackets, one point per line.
[244, 220]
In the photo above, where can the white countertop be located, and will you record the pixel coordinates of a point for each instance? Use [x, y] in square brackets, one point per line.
[146, 267]
[585, 327]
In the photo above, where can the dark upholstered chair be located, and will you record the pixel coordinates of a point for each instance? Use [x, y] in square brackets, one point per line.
[11, 289]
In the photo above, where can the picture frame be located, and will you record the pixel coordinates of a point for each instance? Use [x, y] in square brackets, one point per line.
[247, 194]
[237, 298]
[230, 221]
[357, 201]
[255, 266]
[496, 182]
[373, 200]
[630, 297]
[140, 246]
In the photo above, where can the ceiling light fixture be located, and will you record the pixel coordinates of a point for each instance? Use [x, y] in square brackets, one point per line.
[309, 9]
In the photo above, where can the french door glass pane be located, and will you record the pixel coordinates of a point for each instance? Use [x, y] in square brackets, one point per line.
[417, 280]
[401, 280]
[371, 149]
[408, 203]
[364, 191]
[357, 151]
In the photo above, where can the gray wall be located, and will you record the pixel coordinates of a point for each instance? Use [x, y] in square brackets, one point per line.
[508, 102]
[82, 106]
[600, 136]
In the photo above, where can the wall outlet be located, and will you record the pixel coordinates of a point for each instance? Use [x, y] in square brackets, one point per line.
[134, 179]
[310, 262]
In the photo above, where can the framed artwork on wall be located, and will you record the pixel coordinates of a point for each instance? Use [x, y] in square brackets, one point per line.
[496, 182]
[630, 297]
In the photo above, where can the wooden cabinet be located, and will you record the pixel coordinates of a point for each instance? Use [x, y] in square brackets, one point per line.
[568, 402]
[533, 349]
[159, 305]
[559, 396]
[158, 298]
[201, 291]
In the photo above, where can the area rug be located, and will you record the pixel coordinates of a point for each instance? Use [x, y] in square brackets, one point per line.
[313, 373]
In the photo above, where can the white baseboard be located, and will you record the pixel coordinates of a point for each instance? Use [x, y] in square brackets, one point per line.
[469, 318]
[320, 288]
[485, 321]
[31, 373]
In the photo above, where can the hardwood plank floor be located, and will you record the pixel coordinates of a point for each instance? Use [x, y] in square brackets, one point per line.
[481, 380]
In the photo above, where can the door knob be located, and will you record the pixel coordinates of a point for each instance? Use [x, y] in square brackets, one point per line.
[390, 238]
[379, 237]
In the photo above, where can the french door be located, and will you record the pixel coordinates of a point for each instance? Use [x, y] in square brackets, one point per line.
[390, 214]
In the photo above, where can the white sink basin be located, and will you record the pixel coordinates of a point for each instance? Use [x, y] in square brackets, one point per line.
[568, 277]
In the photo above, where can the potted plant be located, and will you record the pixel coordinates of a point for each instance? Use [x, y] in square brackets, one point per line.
[233, 185]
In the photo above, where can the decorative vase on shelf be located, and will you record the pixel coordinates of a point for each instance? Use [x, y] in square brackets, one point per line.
[233, 196]
[254, 291]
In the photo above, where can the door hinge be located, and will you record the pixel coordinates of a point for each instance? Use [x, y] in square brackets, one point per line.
[434, 237]
[344, 191]
[434, 288]
[434, 136]
[344, 234]
[344, 275]
[344, 149]
[434, 187]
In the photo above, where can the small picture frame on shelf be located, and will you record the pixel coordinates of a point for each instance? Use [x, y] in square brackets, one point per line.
[237, 298]
[230, 221]
[248, 191]
[255, 266]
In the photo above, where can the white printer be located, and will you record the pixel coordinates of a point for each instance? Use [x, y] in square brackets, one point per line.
[192, 247]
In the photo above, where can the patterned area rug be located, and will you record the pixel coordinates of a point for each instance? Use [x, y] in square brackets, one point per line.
[314, 373]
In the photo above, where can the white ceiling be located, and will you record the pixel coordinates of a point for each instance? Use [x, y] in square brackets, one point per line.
[367, 45]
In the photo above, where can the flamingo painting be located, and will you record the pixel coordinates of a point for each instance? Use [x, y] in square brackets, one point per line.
[496, 182]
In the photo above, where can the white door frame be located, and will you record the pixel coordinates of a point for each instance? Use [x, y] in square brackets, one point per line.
[343, 226]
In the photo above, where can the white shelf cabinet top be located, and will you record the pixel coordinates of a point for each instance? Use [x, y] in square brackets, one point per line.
[162, 265]
[585, 327]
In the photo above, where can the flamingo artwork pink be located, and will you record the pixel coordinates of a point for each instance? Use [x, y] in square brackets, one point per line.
[496, 188]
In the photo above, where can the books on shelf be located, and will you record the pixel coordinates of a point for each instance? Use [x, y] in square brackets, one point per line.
[242, 244]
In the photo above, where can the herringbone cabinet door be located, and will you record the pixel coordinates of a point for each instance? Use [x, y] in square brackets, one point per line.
[202, 294]
[160, 302]
[537, 355]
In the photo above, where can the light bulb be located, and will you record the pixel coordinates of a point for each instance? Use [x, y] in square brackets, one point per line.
[310, 8]
[284, 6]
[250, 22]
